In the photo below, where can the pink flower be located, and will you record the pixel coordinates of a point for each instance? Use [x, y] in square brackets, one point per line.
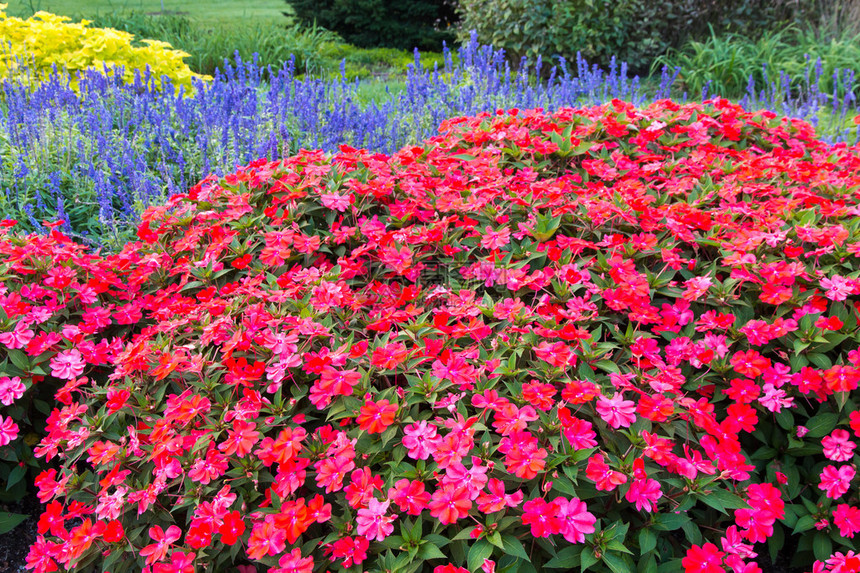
[577, 520]
[409, 496]
[495, 239]
[644, 493]
[544, 518]
[419, 440]
[293, 562]
[11, 389]
[163, 539]
[847, 519]
[758, 523]
[335, 201]
[838, 447]
[8, 430]
[372, 522]
[497, 499]
[18, 338]
[836, 482]
[602, 475]
[68, 364]
[616, 411]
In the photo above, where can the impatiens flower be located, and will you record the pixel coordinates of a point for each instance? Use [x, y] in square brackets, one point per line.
[756, 523]
[696, 288]
[496, 499]
[644, 493]
[389, 356]
[544, 518]
[331, 471]
[616, 411]
[847, 519]
[266, 539]
[293, 562]
[376, 416]
[835, 482]
[409, 496]
[232, 527]
[372, 522]
[450, 503]
[419, 439]
[11, 389]
[703, 559]
[578, 432]
[241, 439]
[163, 540]
[750, 363]
[577, 521]
[602, 475]
[8, 430]
[351, 550]
[67, 365]
[838, 446]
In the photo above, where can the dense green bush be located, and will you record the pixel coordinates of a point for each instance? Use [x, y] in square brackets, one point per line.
[634, 31]
[407, 24]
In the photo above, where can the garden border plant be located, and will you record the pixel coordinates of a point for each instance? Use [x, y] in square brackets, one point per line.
[656, 329]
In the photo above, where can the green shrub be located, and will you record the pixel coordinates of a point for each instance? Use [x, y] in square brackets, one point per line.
[633, 31]
[407, 24]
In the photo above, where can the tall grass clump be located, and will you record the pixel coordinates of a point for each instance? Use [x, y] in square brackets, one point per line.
[208, 44]
[725, 63]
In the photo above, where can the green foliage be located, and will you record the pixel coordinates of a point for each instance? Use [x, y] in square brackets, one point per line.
[406, 24]
[209, 45]
[727, 61]
[632, 31]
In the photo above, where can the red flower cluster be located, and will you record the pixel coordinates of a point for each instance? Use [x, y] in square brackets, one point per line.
[587, 328]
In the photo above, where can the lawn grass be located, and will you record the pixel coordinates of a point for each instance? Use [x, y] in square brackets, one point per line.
[208, 11]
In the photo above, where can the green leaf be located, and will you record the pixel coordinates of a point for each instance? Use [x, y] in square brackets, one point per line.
[514, 546]
[775, 542]
[647, 541]
[721, 499]
[822, 547]
[567, 558]
[430, 551]
[479, 551]
[16, 475]
[616, 563]
[805, 523]
[588, 559]
[616, 545]
[9, 521]
[19, 359]
[821, 425]
[670, 521]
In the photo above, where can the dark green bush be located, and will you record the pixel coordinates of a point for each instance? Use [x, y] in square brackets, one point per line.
[634, 31]
[405, 25]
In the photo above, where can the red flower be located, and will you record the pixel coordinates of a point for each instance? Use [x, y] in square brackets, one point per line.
[232, 528]
[375, 417]
[704, 559]
[450, 503]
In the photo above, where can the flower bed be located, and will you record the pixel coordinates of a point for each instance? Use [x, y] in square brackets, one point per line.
[611, 338]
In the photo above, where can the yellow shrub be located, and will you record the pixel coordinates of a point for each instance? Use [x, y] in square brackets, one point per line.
[30, 48]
